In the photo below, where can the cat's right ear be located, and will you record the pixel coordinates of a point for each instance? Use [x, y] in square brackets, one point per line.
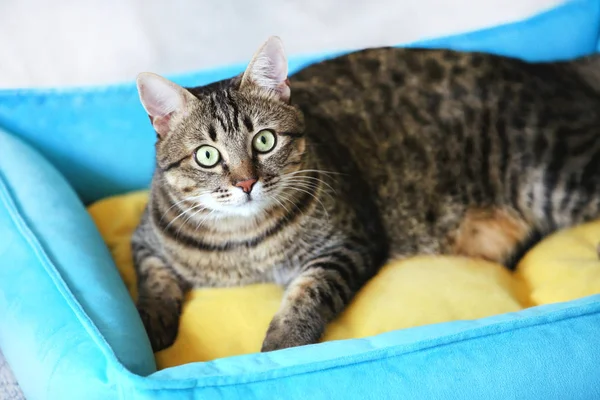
[162, 99]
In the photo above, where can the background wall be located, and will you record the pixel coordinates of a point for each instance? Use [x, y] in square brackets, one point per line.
[80, 42]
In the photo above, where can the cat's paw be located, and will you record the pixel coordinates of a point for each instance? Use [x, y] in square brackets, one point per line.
[161, 320]
[291, 333]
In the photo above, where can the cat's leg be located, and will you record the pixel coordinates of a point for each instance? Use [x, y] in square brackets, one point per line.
[311, 300]
[160, 297]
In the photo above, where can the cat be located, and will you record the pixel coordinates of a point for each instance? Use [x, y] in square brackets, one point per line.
[315, 181]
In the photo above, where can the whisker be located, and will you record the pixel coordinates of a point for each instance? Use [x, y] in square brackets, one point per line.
[315, 170]
[280, 203]
[310, 185]
[203, 220]
[313, 196]
[312, 178]
[191, 198]
[201, 208]
[284, 197]
[194, 214]
[307, 186]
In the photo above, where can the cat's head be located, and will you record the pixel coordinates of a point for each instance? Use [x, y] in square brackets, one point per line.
[230, 146]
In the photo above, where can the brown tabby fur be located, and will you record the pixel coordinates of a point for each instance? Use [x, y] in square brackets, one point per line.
[402, 152]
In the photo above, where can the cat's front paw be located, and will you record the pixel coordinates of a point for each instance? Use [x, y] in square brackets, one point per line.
[161, 320]
[284, 333]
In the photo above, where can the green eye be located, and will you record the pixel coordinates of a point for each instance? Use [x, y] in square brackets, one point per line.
[264, 141]
[207, 156]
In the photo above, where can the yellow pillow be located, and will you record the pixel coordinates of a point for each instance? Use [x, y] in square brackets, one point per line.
[564, 266]
[423, 290]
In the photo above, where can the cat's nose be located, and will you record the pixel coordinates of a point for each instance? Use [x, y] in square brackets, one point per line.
[246, 185]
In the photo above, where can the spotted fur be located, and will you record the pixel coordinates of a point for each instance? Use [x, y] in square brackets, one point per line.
[383, 153]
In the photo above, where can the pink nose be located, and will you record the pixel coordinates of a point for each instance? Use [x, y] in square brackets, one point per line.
[246, 185]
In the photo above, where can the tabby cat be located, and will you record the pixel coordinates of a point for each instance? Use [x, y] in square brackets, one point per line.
[316, 181]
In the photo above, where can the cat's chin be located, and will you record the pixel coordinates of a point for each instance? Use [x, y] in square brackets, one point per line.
[246, 208]
[249, 209]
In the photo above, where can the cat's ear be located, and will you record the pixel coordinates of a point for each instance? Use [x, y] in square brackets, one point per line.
[162, 99]
[268, 69]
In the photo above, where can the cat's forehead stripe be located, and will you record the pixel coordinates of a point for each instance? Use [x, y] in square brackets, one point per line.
[212, 132]
[221, 110]
[225, 110]
[235, 114]
[248, 123]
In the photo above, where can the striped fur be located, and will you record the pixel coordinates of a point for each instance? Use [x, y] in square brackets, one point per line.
[383, 153]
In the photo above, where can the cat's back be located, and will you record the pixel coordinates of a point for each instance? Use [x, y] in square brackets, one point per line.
[384, 80]
[421, 108]
[434, 132]
[418, 109]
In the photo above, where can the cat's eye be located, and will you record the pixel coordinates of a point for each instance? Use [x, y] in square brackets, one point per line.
[264, 141]
[207, 156]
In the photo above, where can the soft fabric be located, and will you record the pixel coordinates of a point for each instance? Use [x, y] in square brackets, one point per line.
[58, 282]
[222, 322]
[70, 330]
[81, 126]
[564, 266]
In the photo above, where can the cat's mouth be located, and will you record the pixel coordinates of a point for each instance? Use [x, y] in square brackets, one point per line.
[242, 201]
[248, 206]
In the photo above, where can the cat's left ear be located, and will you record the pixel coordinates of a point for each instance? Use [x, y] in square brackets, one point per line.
[268, 70]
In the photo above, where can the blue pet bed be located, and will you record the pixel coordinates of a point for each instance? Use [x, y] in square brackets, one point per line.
[70, 331]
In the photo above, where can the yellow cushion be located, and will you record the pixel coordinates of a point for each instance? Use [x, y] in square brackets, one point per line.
[422, 290]
[564, 266]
